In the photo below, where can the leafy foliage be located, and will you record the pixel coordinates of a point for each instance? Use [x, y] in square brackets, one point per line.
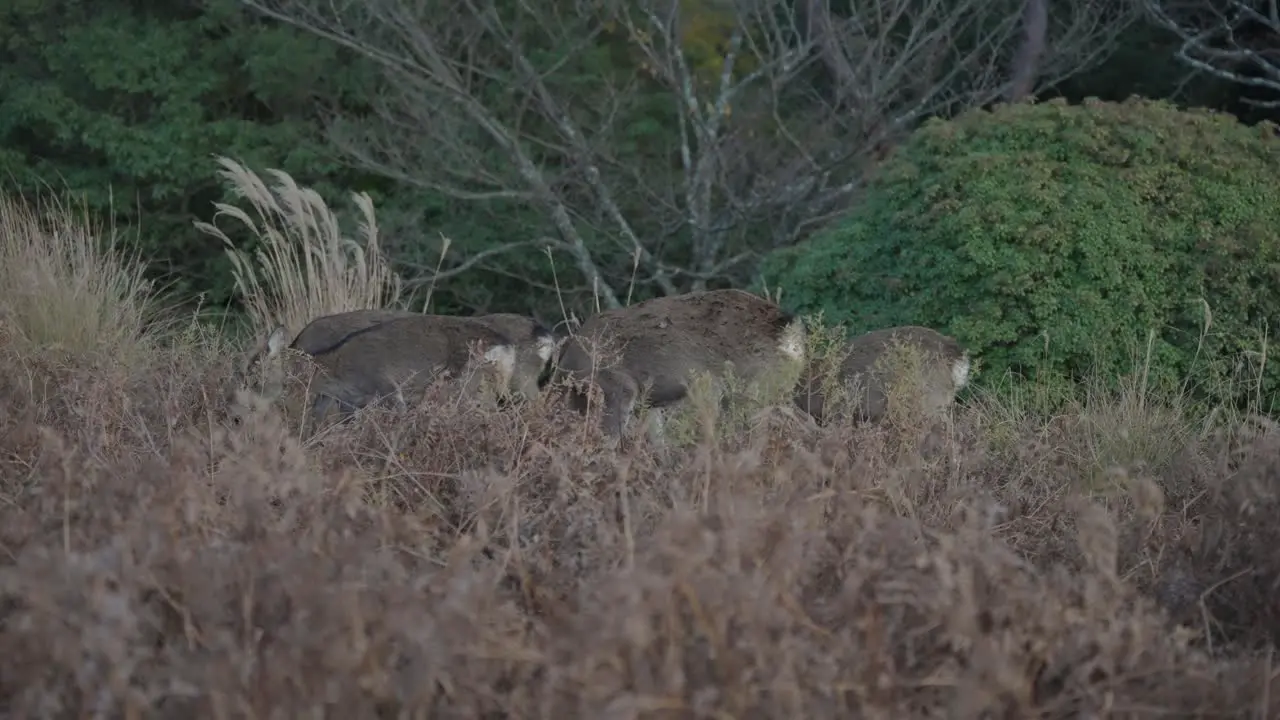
[1057, 236]
[126, 104]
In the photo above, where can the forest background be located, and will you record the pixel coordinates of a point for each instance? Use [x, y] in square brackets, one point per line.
[568, 152]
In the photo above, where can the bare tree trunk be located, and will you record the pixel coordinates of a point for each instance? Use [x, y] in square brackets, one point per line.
[1026, 62]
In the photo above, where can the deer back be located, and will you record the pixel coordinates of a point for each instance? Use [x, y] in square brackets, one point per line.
[327, 331]
[660, 342]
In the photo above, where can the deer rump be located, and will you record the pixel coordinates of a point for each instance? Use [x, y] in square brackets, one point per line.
[864, 372]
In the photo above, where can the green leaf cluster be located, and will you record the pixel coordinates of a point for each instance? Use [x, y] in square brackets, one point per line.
[1053, 238]
[124, 104]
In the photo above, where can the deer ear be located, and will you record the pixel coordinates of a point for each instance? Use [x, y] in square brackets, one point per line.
[276, 341]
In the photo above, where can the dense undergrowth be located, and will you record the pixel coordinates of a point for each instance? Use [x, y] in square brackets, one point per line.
[466, 563]
[1114, 560]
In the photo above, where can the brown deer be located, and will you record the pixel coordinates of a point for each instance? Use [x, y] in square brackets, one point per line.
[659, 343]
[869, 370]
[369, 354]
[534, 344]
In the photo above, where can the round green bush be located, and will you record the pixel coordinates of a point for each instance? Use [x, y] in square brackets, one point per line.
[1054, 237]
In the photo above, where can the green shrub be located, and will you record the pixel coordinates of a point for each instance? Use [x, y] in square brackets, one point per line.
[1054, 238]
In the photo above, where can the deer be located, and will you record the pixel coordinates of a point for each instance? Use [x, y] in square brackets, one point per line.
[868, 371]
[367, 355]
[327, 331]
[660, 343]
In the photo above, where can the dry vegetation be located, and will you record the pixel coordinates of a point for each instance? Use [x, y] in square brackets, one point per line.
[1117, 560]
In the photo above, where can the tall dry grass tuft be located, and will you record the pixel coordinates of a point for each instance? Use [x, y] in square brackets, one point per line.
[66, 284]
[304, 266]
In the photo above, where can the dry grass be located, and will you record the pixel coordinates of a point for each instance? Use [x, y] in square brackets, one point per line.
[67, 285]
[464, 562]
[303, 266]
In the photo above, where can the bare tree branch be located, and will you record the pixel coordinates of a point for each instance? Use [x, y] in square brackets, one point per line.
[800, 152]
[424, 66]
[474, 260]
[1236, 40]
[576, 143]
[677, 140]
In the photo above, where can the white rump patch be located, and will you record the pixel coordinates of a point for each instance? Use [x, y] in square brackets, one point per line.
[276, 341]
[793, 340]
[960, 371]
[546, 346]
[504, 356]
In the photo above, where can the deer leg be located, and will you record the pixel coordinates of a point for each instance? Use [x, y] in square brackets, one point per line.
[320, 407]
[657, 426]
[620, 394]
[333, 394]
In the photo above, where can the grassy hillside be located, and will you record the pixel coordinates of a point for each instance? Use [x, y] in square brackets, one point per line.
[1115, 560]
